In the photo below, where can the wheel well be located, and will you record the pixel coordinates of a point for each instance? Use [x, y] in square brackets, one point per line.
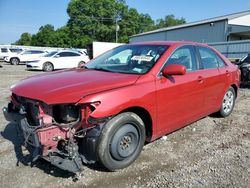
[146, 118]
[15, 58]
[235, 89]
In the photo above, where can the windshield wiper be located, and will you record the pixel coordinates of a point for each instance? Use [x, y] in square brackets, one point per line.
[101, 69]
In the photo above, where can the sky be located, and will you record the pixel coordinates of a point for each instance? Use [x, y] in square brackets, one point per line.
[18, 16]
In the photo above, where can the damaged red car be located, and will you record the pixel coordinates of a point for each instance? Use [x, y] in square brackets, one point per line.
[106, 110]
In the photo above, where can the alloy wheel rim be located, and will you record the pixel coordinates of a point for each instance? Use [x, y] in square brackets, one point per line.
[228, 102]
[14, 61]
[48, 67]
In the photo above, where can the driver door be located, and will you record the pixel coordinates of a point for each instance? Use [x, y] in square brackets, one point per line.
[180, 98]
[61, 60]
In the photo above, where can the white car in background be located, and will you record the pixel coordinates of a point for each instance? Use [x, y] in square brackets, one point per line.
[58, 60]
[6, 51]
[24, 56]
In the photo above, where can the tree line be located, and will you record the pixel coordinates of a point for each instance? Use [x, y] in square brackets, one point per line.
[96, 21]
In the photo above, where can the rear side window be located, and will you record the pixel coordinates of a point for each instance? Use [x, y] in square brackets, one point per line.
[184, 56]
[209, 58]
[73, 54]
[68, 54]
[63, 54]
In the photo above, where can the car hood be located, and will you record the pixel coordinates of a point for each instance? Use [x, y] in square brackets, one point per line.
[71, 85]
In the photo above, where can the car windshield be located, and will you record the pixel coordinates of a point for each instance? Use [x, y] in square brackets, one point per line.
[50, 54]
[131, 59]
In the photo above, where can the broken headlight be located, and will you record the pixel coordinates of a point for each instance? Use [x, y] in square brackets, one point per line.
[66, 113]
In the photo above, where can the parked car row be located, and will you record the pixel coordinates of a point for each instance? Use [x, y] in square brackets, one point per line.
[47, 61]
[9, 51]
[58, 60]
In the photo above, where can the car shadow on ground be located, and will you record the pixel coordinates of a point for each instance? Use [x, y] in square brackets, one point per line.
[11, 134]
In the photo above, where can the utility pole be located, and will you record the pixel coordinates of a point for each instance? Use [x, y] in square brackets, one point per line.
[117, 28]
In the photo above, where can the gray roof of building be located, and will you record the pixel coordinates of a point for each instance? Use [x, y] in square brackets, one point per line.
[215, 19]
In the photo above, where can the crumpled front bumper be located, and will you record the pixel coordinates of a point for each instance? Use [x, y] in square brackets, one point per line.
[31, 140]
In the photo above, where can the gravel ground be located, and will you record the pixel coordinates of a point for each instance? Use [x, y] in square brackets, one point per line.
[212, 152]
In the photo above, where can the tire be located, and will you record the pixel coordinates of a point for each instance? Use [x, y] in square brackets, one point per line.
[228, 103]
[48, 67]
[121, 141]
[14, 61]
[80, 64]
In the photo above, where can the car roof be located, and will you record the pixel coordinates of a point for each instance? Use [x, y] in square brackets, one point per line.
[69, 51]
[169, 43]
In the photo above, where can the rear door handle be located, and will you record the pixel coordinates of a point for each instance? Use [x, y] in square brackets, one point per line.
[200, 79]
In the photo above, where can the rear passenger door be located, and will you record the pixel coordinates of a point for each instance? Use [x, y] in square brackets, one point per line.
[214, 81]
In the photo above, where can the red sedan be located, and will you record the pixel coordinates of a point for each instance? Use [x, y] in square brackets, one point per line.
[107, 109]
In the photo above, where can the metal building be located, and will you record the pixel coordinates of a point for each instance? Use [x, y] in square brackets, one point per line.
[220, 29]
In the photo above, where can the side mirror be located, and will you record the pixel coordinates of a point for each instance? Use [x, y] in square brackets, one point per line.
[174, 69]
[56, 56]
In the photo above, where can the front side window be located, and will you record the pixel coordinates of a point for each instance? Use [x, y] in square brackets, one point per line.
[209, 58]
[131, 59]
[184, 56]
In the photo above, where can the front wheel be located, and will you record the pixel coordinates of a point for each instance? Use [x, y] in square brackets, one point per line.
[48, 67]
[14, 61]
[228, 102]
[121, 141]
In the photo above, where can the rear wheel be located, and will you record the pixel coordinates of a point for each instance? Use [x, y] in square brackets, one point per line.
[48, 67]
[121, 141]
[14, 61]
[228, 102]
